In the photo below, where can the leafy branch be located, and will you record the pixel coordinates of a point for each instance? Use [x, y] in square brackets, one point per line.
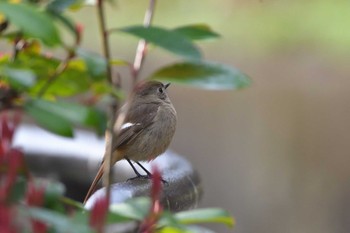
[42, 85]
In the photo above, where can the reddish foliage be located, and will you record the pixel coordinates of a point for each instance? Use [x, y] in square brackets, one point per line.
[35, 197]
[11, 159]
[149, 224]
[6, 216]
[98, 214]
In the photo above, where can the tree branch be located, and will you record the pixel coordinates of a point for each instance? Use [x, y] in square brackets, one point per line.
[142, 45]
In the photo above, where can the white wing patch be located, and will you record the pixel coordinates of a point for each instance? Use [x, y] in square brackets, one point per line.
[128, 124]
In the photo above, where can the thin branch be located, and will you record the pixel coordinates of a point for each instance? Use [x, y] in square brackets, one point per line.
[114, 105]
[142, 45]
[104, 36]
[59, 70]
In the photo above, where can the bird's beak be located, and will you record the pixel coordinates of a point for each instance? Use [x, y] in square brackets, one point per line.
[166, 85]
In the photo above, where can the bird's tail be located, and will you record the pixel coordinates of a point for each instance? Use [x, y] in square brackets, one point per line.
[94, 182]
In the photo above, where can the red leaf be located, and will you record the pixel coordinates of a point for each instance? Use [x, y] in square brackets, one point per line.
[98, 214]
[35, 195]
[6, 215]
[149, 224]
[38, 226]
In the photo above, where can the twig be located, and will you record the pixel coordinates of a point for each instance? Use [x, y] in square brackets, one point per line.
[142, 45]
[114, 105]
[59, 70]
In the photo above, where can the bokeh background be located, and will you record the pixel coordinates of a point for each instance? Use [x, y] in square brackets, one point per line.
[276, 155]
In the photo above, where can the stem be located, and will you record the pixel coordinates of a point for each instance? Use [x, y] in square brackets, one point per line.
[142, 45]
[114, 105]
[59, 70]
[104, 36]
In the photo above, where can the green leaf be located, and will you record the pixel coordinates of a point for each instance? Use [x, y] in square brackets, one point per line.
[60, 222]
[136, 208]
[19, 78]
[72, 203]
[166, 39]
[168, 220]
[205, 75]
[197, 32]
[96, 65]
[67, 22]
[74, 80]
[67, 114]
[60, 5]
[48, 119]
[18, 190]
[210, 215]
[53, 192]
[32, 22]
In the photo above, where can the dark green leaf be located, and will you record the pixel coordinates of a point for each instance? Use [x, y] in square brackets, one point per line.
[48, 119]
[70, 113]
[19, 78]
[18, 190]
[206, 75]
[53, 192]
[197, 32]
[210, 215]
[31, 21]
[95, 64]
[166, 39]
[67, 22]
[60, 222]
[136, 208]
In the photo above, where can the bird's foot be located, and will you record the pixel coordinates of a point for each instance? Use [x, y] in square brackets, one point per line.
[146, 177]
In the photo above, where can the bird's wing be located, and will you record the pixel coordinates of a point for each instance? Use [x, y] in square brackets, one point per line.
[133, 125]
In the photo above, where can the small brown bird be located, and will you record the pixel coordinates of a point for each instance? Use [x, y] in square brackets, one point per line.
[147, 131]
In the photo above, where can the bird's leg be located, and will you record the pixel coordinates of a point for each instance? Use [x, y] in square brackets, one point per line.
[143, 168]
[138, 175]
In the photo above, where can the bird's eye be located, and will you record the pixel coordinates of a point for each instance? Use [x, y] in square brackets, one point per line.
[160, 90]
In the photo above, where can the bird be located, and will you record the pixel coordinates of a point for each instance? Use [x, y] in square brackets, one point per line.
[147, 131]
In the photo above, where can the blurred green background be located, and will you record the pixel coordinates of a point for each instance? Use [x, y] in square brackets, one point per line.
[276, 155]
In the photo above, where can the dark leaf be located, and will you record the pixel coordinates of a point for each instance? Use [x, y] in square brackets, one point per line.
[166, 39]
[206, 75]
[197, 32]
[67, 113]
[53, 192]
[67, 22]
[18, 190]
[48, 119]
[32, 22]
